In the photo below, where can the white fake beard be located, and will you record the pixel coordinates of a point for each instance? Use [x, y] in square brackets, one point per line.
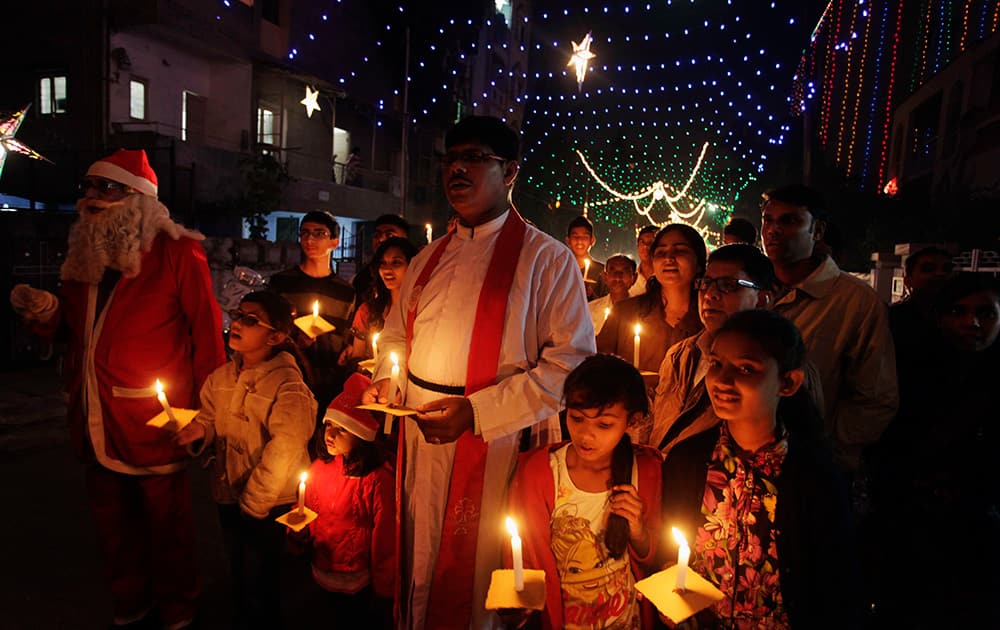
[108, 238]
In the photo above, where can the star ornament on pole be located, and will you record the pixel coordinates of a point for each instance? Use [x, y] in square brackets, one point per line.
[581, 59]
[8, 128]
[310, 101]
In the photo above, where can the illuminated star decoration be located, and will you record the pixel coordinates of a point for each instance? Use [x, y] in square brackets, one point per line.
[310, 101]
[658, 191]
[581, 59]
[9, 127]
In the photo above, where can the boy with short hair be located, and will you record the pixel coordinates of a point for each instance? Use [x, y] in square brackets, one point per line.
[580, 238]
[619, 276]
[315, 280]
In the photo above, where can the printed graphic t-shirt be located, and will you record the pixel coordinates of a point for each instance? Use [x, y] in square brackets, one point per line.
[597, 590]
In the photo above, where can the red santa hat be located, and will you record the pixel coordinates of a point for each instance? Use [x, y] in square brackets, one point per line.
[129, 167]
[343, 410]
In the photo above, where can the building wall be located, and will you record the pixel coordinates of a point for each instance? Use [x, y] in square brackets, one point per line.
[946, 136]
[169, 71]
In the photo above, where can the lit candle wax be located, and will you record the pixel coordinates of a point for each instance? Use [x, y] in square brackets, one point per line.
[683, 556]
[635, 342]
[375, 347]
[430, 232]
[515, 551]
[160, 396]
[302, 493]
[394, 378]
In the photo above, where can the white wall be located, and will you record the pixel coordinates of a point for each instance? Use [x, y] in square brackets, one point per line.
[168, 71]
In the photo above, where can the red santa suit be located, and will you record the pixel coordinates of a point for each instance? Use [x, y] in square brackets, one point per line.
[158, 321]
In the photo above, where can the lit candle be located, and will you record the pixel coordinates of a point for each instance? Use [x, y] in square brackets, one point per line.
[315, 312]
[635, 341]
[607, 312]
[430, 233]
[375, 347]
[586, 269]
[160, 396]
[302, 493]
[515, 551]
[683, 555]
[394, 380]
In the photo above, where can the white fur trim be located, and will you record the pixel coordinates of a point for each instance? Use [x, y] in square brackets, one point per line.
[364, 431]
[115, 173]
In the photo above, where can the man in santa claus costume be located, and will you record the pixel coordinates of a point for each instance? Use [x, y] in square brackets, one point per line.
[136, 306]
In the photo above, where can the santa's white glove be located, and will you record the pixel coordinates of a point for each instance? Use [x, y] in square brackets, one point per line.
[33, 304]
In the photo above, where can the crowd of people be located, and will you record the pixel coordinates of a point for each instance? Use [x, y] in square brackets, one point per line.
[827, 458]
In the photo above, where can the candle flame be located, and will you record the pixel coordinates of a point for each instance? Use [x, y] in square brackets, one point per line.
[427, 225]
[394, 358]
[511, 527]
[679, 537]
[159, 387]
[607, 312]
[316, 308]
[375, 338]
[303, 477]
[638, 327]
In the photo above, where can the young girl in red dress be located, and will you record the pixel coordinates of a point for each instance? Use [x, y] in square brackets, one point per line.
[589, 509]
[352, 490]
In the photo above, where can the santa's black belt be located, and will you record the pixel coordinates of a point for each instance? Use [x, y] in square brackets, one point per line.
[450, 390]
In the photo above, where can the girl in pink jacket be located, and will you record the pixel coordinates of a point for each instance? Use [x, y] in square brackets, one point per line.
[352, 490]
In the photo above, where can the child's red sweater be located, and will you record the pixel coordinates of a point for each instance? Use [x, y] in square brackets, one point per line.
[356, 523]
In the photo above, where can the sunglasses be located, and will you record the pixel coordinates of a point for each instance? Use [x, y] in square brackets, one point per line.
[469, 157]
[102, 186]
[725, 284]
[249, 319]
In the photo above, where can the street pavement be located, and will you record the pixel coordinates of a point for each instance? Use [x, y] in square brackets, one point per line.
[52, 574]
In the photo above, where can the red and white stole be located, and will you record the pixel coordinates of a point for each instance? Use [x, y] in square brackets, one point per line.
[450, 604]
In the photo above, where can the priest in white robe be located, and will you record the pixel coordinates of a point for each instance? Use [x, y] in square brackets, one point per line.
[494, 317]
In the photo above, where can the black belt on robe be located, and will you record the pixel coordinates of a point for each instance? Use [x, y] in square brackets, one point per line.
[450, 390]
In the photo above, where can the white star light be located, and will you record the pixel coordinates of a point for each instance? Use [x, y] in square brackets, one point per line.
[8, 128]
[310, 101]
[581, 59]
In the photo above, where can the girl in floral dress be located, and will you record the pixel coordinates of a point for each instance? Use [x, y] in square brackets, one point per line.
[758, 495]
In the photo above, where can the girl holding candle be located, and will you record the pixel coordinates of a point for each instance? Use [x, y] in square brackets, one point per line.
[588, 510]
[390, 262]
[352, 490]
[758, 498]
[257, 416]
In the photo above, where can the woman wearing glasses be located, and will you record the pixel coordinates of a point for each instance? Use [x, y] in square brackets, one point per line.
[257, 418]
[737, 278]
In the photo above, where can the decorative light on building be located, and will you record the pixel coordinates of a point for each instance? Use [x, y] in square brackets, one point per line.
[8, 128]
[581, 59]
[310, 101]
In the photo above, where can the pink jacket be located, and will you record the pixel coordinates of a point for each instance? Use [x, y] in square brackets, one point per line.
[531, 499]
[356, 523]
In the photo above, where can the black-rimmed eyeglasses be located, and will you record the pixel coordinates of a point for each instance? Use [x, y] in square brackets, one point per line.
[102, 186]
[725, 284]
[469, 157]
[249, 319]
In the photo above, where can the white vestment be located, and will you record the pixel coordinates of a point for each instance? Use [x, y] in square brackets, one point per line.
[546, 334]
